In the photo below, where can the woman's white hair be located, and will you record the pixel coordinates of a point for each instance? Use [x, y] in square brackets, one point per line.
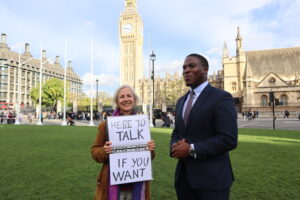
[115, 98]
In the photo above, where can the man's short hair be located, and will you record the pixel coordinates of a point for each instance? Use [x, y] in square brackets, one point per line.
[203, 60]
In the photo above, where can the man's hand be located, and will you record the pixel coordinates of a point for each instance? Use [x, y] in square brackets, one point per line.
[180, 149]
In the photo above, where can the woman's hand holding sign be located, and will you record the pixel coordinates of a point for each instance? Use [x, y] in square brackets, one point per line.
[107, 147]
[151, 145]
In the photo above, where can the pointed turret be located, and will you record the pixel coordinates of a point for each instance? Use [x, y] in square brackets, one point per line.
[238, 42]
[225, 51]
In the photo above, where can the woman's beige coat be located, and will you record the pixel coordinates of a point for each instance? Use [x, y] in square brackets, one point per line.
[100, 156]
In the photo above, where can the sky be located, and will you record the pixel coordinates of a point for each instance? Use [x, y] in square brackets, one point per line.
[172, 28]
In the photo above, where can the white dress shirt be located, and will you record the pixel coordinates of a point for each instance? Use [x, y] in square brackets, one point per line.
[197, 92]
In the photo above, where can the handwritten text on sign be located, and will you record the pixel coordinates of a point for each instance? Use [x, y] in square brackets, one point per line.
[128, 130]
[128, 166]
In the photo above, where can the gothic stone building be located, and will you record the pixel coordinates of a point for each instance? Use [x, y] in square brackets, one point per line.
[250, 76]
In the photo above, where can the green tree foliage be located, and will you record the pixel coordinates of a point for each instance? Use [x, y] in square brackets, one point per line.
[52, 92]
[34, 94]
[103, 97]
[84, 100]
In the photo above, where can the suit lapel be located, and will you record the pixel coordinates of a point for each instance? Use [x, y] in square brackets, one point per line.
[201, 99]
[181, 104]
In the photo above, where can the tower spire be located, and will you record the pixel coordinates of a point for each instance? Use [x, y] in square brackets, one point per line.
[131, 46]
[225, 51]
[238, 42]
[238, 37]
[130, 3]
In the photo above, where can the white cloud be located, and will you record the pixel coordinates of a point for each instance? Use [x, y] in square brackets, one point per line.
[215, 65]
[214, 50]
[170, 67]
[78, 34]
[177, 28]
[104, 79]
[107, 83]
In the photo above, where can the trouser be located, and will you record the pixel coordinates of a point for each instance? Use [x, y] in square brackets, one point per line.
[185, 192]
[125, 195]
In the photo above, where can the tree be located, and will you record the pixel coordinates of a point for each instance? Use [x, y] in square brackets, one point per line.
[52, 92]
[171, 92]
[34, 95]
[105, 98]
[84, 100]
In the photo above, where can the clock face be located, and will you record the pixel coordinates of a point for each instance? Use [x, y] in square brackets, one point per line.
[127, 28]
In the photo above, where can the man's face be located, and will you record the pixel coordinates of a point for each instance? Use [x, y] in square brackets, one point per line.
[193, 72]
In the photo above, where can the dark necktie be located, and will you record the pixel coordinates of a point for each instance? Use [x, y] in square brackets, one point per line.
[188, 107]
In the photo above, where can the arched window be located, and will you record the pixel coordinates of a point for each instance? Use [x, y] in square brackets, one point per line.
[264, 100]
[283, 99]
[233, 86]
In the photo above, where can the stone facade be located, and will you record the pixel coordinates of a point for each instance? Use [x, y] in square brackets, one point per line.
[166, 91]
[29, 70]
[250, 76]
[131, 46]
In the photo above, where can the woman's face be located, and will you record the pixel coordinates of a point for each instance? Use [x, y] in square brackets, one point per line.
[125, 101]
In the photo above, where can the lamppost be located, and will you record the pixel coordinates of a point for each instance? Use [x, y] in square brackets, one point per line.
[17, 122]
[64, 122]
[272, 102]
[97, 82]
[152, 58]
[92, 73]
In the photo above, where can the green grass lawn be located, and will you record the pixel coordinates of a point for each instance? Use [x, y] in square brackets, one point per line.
[52, 162]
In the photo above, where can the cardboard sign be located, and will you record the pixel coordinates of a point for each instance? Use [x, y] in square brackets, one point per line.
[128, 130]
[130, 160]
[130, 167]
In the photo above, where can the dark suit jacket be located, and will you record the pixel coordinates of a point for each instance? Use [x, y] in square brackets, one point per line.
[212, 128]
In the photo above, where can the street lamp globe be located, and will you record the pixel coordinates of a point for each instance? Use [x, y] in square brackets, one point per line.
[152, 56]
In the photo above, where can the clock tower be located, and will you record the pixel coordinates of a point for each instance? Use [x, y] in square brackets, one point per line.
[131, 46]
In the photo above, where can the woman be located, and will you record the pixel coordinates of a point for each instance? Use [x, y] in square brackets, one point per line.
[125, 100]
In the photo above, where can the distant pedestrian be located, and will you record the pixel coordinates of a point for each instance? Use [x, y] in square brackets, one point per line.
[2, 117]
[42, 118]
[70, 121]
[30, 118]
[286, 114]
[83, 116]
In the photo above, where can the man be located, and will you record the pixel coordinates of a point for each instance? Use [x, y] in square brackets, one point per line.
[205, 131]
